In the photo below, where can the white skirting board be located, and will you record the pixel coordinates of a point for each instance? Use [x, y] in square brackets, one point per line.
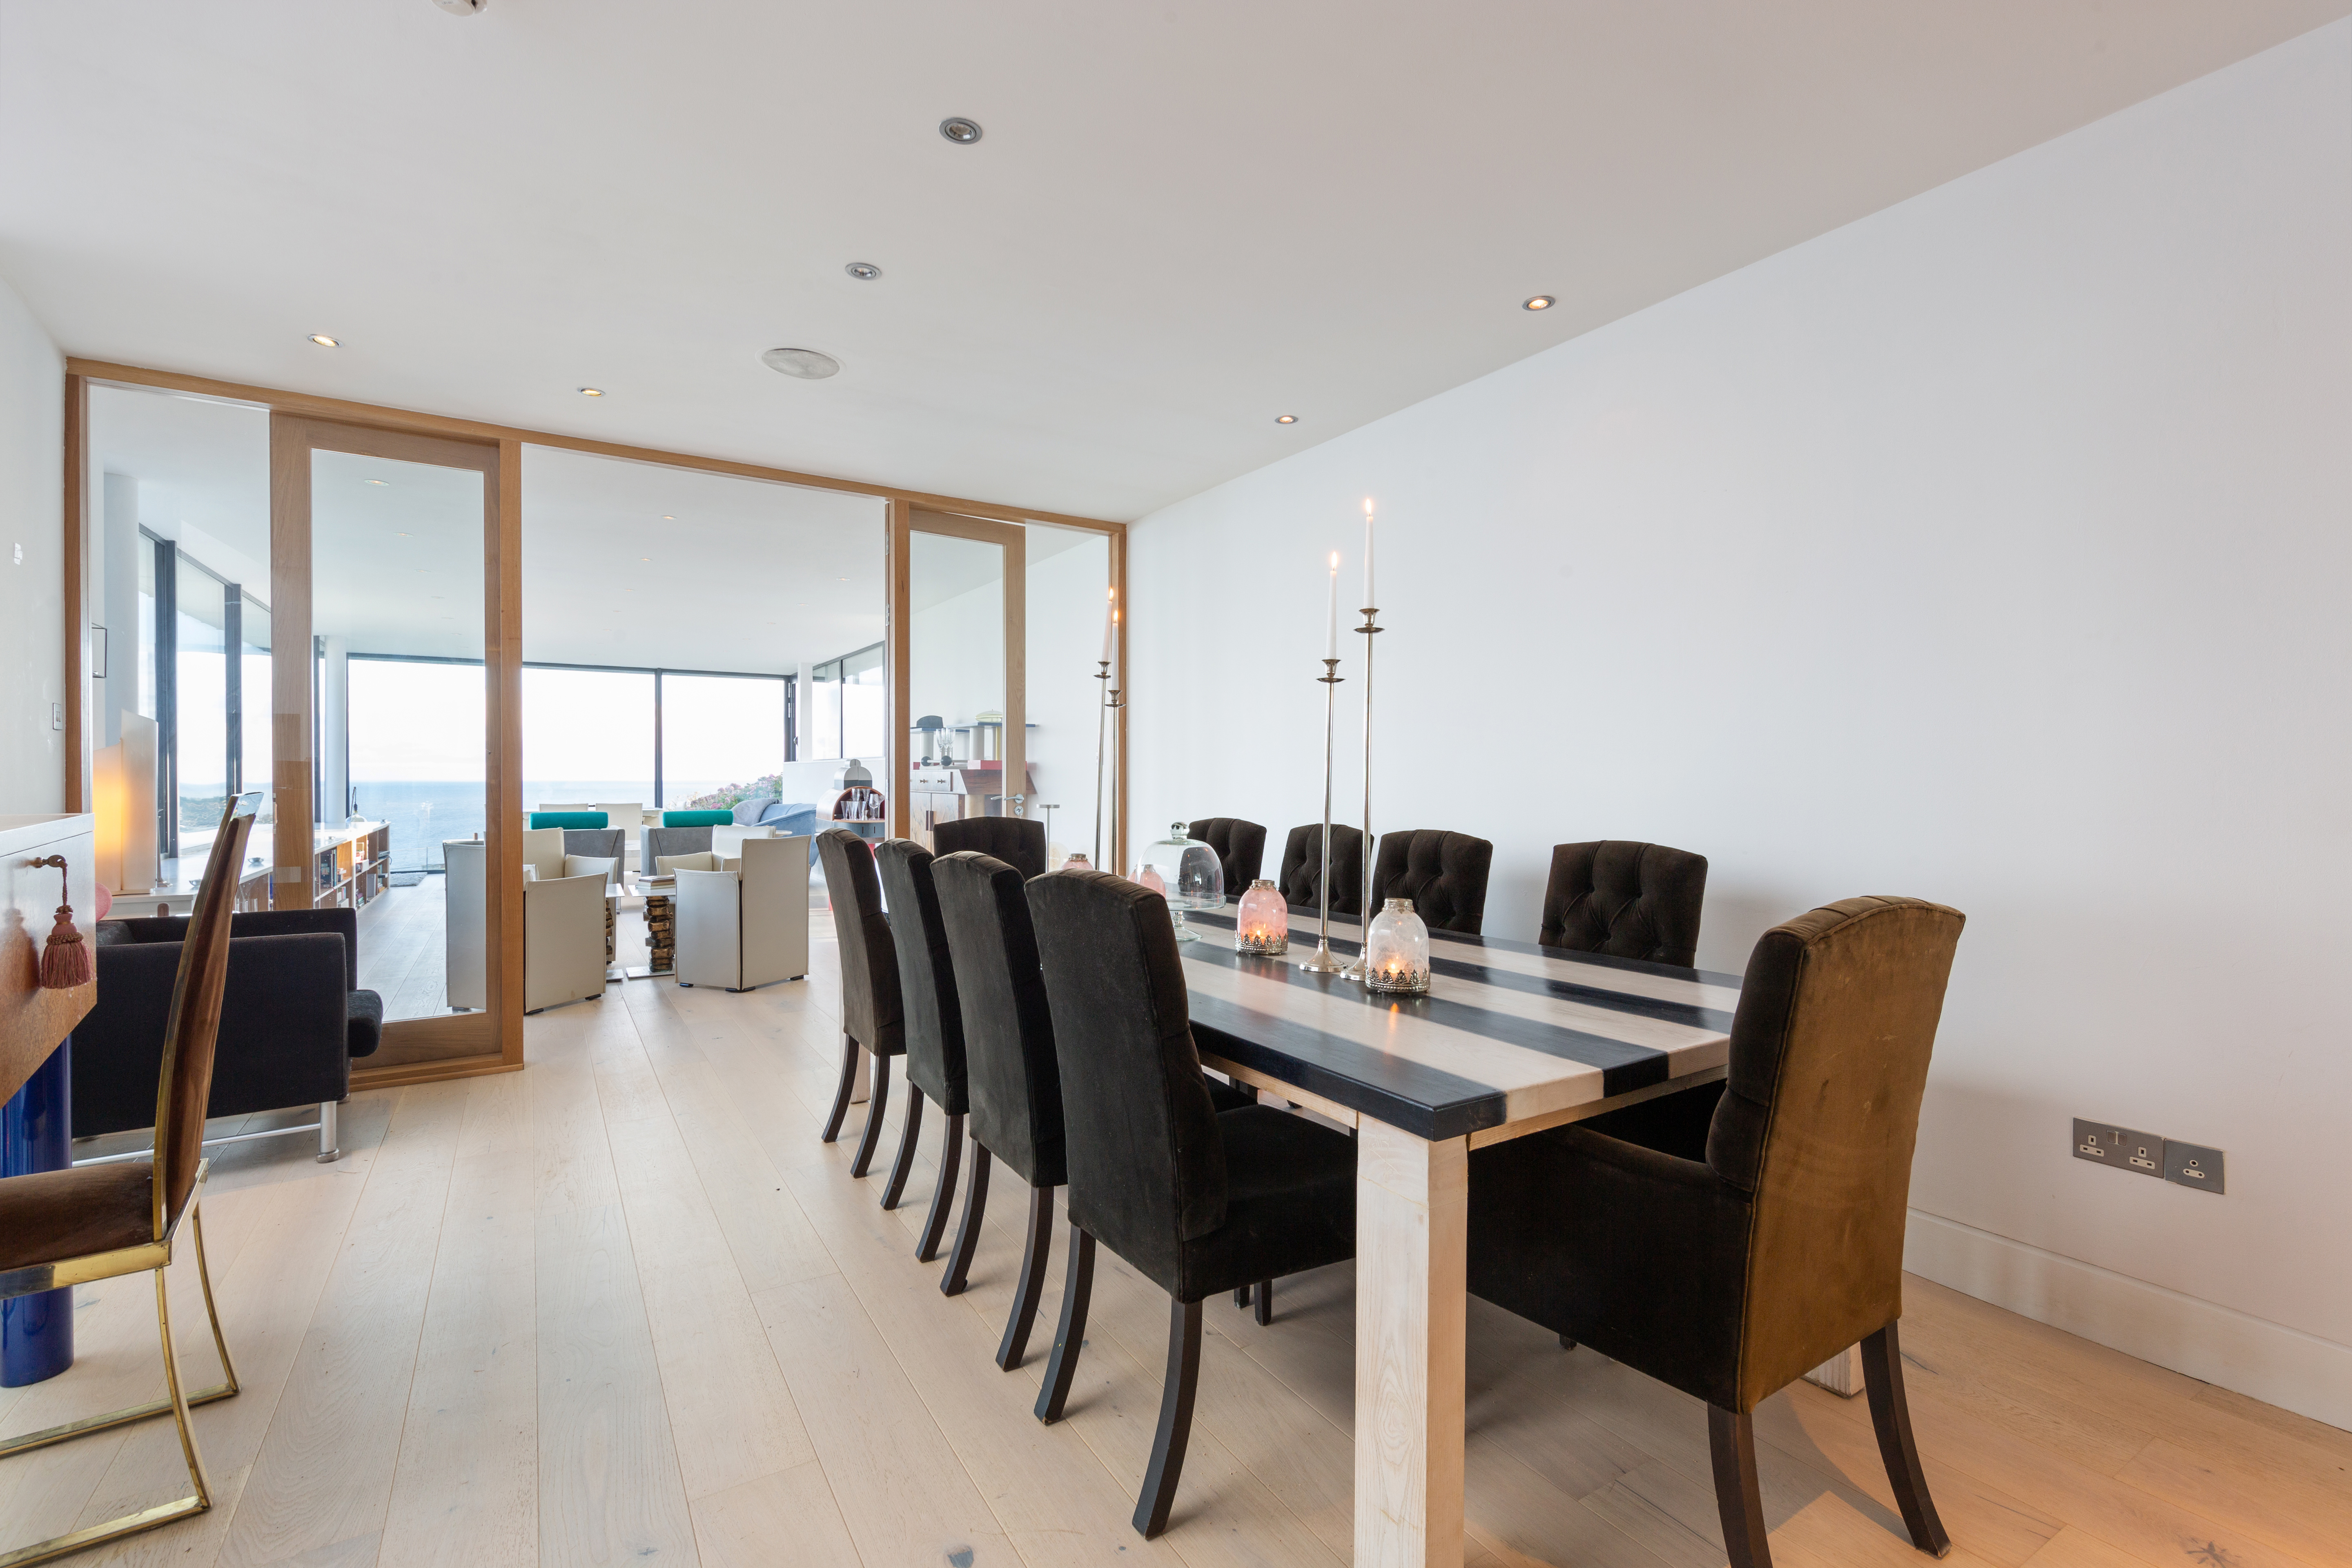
[2233, 1350]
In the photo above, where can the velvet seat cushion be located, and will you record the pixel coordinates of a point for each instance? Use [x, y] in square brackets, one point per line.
[1625, 899]
[1018, 841]
[1240, 848]
[1444, 875]
[1302, 864]
[1290, 1204]
[57, 1215]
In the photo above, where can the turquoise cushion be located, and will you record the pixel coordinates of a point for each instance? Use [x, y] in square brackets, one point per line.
[567, 819]
[697, 818]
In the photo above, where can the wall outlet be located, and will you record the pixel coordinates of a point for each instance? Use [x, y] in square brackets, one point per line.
[2104, 1143]
[2192, 1165]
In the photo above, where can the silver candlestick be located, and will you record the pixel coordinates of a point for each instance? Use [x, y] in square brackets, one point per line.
[1361, 968]
[1321, 960]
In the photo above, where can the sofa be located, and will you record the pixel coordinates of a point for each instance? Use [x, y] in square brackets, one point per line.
[293, 1019]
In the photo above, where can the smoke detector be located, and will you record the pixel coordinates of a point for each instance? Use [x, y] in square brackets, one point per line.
[808, 364]
[461, 7]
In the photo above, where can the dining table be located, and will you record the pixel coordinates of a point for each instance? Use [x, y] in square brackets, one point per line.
[1511, 1039]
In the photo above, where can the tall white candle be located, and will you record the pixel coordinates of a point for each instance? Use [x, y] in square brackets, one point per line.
[1110, 612]
[1369, 600]
[1333, 650]
[1113, 651]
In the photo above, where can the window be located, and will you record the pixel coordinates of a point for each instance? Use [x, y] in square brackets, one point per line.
[847, 707]
[722, 738]
[587, 735]
[415, 734]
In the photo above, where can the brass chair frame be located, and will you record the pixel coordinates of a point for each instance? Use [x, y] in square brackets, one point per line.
[196, 1016]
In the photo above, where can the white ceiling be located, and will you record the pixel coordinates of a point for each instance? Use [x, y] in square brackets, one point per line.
[1182, 220]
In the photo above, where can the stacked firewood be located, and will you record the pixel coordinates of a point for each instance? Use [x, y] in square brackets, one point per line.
[661, 934]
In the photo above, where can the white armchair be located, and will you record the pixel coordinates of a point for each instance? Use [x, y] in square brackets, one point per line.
[562, 922]
[542, 851]
[747, 926]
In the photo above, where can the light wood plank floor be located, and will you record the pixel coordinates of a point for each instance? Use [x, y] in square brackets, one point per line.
[625, 1306]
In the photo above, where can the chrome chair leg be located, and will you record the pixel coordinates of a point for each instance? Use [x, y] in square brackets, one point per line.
[328, 1151]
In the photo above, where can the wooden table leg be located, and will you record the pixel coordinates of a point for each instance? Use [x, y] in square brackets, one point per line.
[1412, 1231]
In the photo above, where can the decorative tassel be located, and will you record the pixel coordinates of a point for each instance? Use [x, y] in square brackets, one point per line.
[65, 958]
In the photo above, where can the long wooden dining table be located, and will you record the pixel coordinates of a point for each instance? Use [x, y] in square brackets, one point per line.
[1511, 1039]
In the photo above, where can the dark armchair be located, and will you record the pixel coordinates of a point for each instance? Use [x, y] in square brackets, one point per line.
[1300, 877]
[1627, 901]
[292, 1020]
[1728, 1238]
[1018, 841]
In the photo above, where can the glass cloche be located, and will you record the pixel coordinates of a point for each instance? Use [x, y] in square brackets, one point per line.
[1187, 873]
[1396, 951]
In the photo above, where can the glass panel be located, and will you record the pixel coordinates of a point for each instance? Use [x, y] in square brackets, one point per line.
[722, 739]
[955, 636]
[200, 679]
[180, 533]
[397, 621]
[1069, 573]
[865, 705]
[587, 737]
[820, 720]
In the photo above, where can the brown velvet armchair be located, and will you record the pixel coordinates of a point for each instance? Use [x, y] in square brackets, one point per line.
[1727, 1240]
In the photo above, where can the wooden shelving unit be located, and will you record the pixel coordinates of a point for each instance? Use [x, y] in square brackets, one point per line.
[350, 865]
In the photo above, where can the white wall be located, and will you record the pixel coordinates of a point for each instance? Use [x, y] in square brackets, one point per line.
[32, 759]
[1995, 549]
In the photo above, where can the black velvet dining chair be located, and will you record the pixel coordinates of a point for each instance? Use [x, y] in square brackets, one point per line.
[1196, 1200]
[1018, 841]
[1299, 876]
[934, 1028]
[873, 1011]
[1444, 875]
[1240, 848]
[1625, 901]
[1728, 1238]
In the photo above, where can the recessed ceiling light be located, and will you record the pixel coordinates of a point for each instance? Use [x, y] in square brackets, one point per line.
[808, 364]
[666, 518]
[1541, 303]
[961, 132]
[1285, 419]
[380, 484]
[592, 392]
[864, 271]
[403, 536]
[323, 341]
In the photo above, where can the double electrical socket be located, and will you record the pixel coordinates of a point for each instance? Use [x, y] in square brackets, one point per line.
[2146, 1154]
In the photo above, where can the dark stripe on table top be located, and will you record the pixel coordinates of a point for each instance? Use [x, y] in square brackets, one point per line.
[1426, 1101]
[1710, 1019]
[1623, 1065]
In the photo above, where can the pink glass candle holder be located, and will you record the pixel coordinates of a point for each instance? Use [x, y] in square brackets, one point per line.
[1263, 923]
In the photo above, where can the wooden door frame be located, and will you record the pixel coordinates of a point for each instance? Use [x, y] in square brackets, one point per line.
[905, 523]
[495, 1035]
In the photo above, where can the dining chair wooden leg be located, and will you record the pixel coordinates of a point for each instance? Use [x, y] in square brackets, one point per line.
[935, 1225]
[1738, 1496]
[1890, 1413]
[1032, 1286]
[1264, 1301]
[909, 1134]
[876, 1103]
[1240, 1295]
[849, 1049]
[1077, 1286]
[1176, 1392]
[1566, 1343]
[975, 1206]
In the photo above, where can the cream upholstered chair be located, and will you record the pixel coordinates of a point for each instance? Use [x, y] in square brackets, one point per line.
[542, 851]
[747, 923]
[563, 938]
[727, 842]
[465, 930]
[629, 817]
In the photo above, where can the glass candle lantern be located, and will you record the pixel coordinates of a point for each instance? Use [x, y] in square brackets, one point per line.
[1396, 951]
[1263, 922]
[1187, 873]
[1078, 862]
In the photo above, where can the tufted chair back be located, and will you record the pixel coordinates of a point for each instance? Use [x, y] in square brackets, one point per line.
[1008, 1029]
[1302, 862]
[927, 985]
[1018, 841]
[1147, 1163]
[1239, 847]
[1628, 901]
[1444, 875]
[872, 1011]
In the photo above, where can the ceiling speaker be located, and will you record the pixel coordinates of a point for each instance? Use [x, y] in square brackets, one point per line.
[461, 7]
